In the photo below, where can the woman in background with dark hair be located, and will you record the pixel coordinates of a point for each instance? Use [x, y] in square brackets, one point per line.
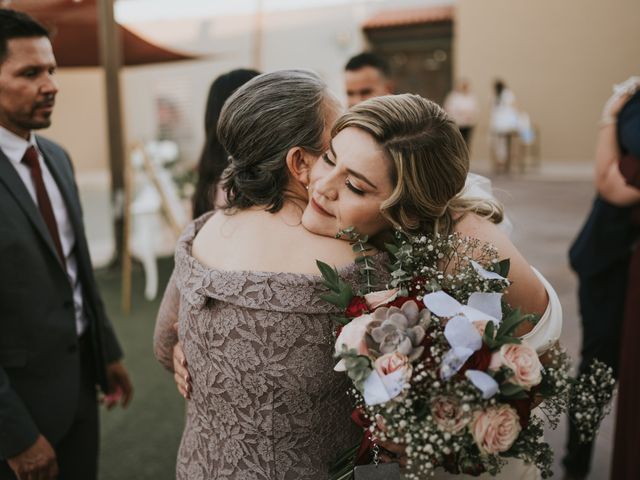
[214, 159]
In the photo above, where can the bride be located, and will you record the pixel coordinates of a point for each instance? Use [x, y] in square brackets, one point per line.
[393, 161]
[398, 161]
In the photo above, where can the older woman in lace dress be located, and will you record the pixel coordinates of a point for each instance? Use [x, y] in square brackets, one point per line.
[266, 403]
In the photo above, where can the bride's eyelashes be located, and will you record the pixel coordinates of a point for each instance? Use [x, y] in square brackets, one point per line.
[349, 185]
[352, 188]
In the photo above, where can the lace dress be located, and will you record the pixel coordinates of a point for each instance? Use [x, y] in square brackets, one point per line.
[266, 403]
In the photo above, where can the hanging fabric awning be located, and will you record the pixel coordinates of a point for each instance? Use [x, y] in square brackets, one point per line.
[408, 16]
[74, 28]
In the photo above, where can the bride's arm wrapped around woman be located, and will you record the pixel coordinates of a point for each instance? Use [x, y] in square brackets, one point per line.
[546, 331]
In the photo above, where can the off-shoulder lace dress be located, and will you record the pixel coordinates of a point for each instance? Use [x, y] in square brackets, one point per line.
[266, 403]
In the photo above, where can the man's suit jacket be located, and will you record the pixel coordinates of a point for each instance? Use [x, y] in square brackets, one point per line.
[39, 357]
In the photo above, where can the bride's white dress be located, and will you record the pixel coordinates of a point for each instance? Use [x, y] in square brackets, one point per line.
[545, 334]
[514, 470]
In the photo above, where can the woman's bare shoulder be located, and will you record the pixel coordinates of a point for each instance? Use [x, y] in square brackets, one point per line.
[254, 240]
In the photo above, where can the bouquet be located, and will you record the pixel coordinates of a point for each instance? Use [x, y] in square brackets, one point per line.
[437, 365]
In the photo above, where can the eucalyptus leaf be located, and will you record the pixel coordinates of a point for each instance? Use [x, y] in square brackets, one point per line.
[511, 390]
[510, 322]
[501, 268]
[391, 248]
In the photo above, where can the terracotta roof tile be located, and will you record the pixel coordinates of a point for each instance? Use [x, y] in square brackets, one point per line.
[413, 16]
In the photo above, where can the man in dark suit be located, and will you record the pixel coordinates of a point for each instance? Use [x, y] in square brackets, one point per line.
[56, 343]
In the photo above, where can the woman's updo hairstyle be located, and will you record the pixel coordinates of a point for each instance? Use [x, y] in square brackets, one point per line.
[430, 162]
[260, 123]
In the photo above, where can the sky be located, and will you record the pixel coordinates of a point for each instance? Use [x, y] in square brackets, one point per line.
[132, 11]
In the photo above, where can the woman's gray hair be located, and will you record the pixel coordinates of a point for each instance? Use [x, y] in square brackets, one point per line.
[260, 123]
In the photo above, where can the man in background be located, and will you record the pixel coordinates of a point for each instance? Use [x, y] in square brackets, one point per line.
[56, 343]
[367, 76]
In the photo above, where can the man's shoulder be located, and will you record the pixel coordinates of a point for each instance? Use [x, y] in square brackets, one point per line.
[51, 146]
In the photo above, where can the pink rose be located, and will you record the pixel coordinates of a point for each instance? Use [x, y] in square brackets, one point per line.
[448, 415]
[382, 297]
[495, 429]
[394, 371]
[523, 360]
[352, 337]
[390, 362]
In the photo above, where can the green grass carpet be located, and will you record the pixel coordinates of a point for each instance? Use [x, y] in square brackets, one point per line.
[141, 442]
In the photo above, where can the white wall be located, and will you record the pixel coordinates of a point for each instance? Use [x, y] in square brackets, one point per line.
[559, 57]
[321, 39]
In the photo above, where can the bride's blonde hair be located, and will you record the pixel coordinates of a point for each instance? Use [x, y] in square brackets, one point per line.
[430, 162]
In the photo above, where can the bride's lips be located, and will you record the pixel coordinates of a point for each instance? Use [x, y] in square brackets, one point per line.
[319, 209]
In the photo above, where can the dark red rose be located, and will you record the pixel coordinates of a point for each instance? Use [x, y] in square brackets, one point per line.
[399, 301]
[523, 407]
[449, 464]
[470, 468]
[363, 455]
[467, 466]
[480, 360]
[357, 307]
[417, 285]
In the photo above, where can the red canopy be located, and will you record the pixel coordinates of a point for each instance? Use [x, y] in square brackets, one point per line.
[74, 28]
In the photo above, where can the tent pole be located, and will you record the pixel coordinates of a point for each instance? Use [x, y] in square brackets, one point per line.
[257, 36]
[111, 58]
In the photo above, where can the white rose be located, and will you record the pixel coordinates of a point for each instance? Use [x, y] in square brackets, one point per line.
[352, 337]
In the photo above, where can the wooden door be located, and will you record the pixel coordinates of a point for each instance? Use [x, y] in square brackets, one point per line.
[419, 56]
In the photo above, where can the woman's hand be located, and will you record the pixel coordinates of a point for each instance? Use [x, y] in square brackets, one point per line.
[621, 94]
[389, 451]
[180, 371]
[120, 388]
[393, 452]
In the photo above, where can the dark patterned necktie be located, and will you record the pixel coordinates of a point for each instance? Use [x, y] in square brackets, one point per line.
[31, 160]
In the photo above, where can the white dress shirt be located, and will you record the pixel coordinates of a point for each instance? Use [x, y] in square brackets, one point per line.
[14, 147]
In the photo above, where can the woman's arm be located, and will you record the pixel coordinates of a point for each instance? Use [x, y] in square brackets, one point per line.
[165, 336]
[526, 291]
[609, 181]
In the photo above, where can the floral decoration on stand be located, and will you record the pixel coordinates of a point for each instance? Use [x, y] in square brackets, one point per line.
[436, 364]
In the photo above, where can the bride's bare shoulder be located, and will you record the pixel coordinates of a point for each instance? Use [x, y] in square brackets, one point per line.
[526, 292]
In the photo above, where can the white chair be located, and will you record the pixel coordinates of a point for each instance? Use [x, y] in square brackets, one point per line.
[152, 233]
